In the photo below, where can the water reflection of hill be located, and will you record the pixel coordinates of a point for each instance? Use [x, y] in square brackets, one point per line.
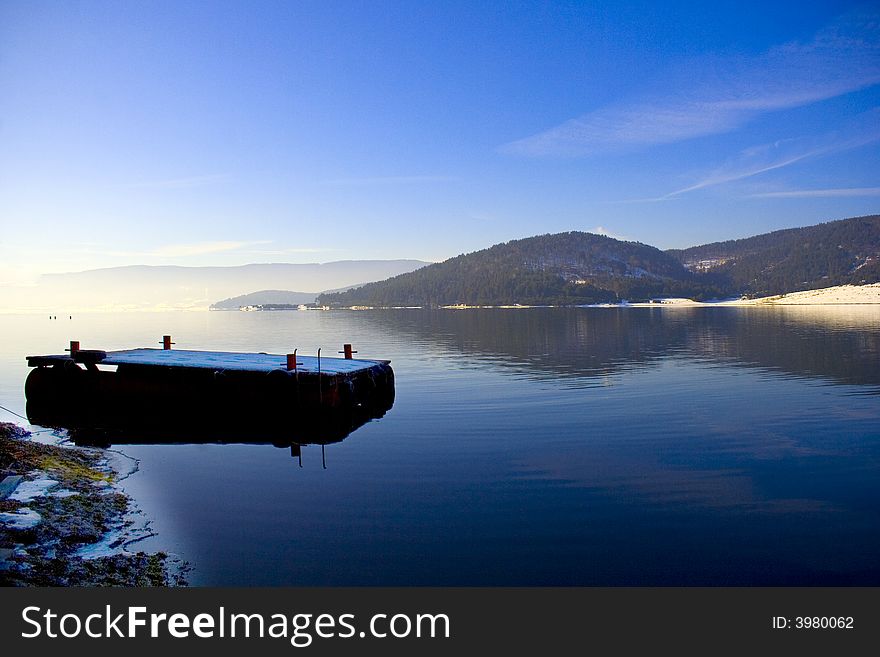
[838, 343]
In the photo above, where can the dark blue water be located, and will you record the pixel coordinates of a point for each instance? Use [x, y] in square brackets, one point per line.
[532, 447]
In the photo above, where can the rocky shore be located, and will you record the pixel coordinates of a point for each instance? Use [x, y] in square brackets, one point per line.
[65, 522]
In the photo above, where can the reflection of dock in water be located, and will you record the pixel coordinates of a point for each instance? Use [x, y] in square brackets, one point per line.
[144, 396]
[320, 429]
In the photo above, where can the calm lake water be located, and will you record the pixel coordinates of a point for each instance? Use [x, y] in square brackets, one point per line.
[675, 446]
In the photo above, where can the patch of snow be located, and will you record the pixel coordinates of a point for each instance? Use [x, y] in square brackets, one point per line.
[668, 301]
[23, 518]
[223, 360]
[112, 543]
[47, 436]
[63, 493]
[29, 490]
[840, 295]
[829, 296]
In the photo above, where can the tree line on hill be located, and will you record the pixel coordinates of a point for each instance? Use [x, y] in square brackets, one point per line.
[578, 268]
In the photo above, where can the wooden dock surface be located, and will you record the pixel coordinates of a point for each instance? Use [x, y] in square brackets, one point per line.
[227, 360]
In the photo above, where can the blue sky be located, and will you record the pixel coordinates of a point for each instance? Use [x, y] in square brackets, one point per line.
[235, 132]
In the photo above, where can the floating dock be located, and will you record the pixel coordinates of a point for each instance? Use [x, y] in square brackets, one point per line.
[166, 389]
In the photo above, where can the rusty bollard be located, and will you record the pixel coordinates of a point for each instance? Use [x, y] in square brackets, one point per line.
[291, 361]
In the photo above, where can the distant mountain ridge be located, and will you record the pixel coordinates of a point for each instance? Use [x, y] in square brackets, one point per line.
[577, 268]
[265, 297]
[147, 287]
[274, 298]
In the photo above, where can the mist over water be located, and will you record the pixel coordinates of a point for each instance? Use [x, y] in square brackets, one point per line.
[600, 446]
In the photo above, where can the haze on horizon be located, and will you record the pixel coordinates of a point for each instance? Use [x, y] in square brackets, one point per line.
[228, 133]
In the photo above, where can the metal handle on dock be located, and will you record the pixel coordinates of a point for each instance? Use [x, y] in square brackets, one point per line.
[346, 349]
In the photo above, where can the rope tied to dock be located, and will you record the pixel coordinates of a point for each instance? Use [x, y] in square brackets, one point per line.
[14, 413]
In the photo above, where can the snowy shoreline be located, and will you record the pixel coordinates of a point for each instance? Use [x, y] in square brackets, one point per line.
[64, 520]
[830, 296]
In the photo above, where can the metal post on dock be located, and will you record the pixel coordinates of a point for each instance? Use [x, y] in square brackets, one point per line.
[166, 342]
[320, 392]
[346, 350]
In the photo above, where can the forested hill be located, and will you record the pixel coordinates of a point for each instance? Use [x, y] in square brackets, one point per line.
[565, 268]
[833, 253]
[577, 268]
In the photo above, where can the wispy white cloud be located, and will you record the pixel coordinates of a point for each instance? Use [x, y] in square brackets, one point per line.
[647, 199]
[718, 96]
[187, 250]
[746, 167]
[200, 248]
[753, 161]
[763, 158]
[289, 251]
[181, 183]
[601, 230]
[818, 193]
[388, 180]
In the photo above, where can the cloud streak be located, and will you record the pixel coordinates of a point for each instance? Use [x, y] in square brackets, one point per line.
[389, 180]
[291, 251]
[181, 183]
[757, 160]
[721, 95]
[863, 130]
[821, 193]
[189, 250]
[200, 248]
[747, 166]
